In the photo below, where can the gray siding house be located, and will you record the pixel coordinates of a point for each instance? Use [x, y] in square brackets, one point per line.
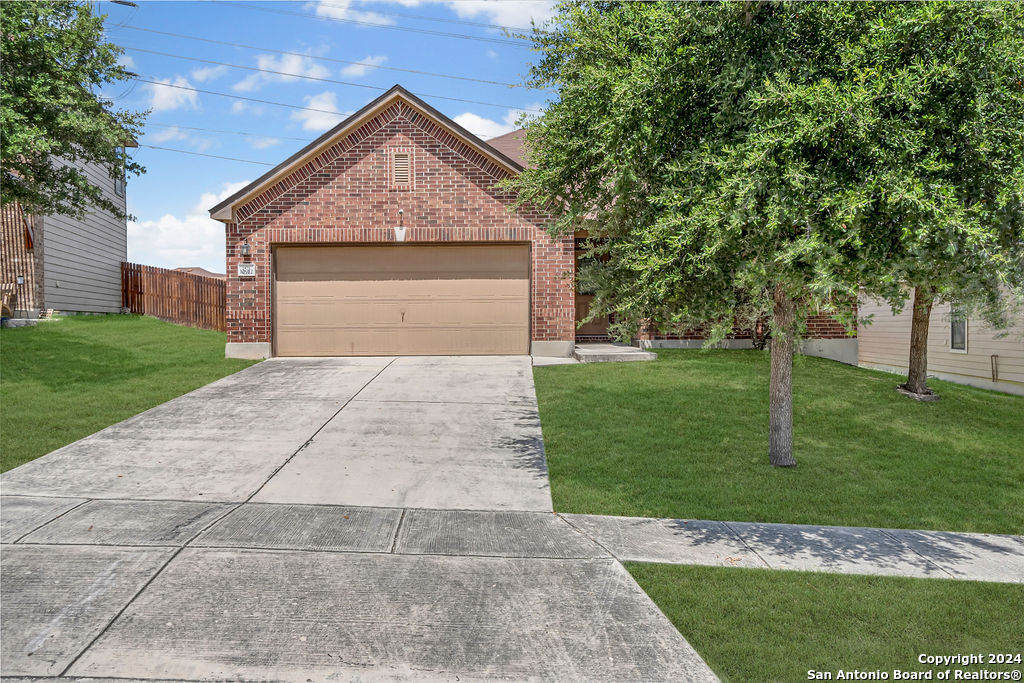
[62, 263]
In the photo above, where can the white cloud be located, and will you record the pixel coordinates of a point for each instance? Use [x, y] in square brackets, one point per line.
[320, 121]
[492, 54]
[486, 128]
[164, 97]
[262, 143]
[366, 64]
[512, 13]
[208, 73]
[289, 66]
[343, 9]
[194, 239]
[126, 61]
[167, 135]
[243, 107]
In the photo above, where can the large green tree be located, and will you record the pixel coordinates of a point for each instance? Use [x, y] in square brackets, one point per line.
[53, 66]
[737, 159]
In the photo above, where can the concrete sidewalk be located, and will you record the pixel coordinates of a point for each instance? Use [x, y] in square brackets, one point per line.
[845, 550]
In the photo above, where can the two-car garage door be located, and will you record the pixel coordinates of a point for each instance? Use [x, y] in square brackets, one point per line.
[401, 300]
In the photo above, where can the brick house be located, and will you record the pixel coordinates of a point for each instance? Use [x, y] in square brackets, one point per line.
[392, 234]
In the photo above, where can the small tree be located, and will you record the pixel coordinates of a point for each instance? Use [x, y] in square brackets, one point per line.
[54, 61]
[729, 159]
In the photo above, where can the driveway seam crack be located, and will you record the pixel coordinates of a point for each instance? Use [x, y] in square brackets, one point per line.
[398, 528]
[583, 533]
[319, 429]
[885, 532]
[51, 521]
[121, 611]
[747, 545]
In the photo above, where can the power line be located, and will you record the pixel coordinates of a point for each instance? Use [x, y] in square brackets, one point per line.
[240, 97]
[425, 18]
[393, 27]
[322, 80]
[326, 59]
[229, 132]
[202, 154]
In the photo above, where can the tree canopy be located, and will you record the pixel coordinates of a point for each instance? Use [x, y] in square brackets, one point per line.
[52, 111]
[727, 157]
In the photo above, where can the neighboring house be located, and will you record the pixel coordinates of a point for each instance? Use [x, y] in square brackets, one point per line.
[195, 270]
[960, 349]
[65, 264]
[391, 234]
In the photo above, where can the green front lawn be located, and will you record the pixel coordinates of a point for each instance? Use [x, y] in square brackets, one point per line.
[764, 625]
[686, 436]
[66, 379]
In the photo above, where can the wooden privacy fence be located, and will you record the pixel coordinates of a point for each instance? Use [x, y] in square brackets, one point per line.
[173, 295]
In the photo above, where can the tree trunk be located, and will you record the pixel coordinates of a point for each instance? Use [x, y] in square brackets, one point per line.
[917, 374]
[780, 384]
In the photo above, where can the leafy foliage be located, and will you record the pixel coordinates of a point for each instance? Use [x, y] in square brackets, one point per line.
[717, 152]
[54, 62]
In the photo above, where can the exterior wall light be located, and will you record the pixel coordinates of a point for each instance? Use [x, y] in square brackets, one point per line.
[245, 249]
[400, 228]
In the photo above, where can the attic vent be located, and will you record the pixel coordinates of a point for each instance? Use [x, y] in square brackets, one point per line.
[401, 168]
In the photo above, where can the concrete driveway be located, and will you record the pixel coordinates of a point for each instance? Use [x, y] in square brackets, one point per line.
[314, 519]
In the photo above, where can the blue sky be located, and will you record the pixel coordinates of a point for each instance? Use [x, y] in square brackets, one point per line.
[170, 200]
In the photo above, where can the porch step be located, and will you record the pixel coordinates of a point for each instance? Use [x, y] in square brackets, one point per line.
[611, 353]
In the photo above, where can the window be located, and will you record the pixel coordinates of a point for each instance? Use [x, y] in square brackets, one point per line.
[957, 331]
[119, 182]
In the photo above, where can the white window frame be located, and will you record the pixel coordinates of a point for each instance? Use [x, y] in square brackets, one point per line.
[953, 314]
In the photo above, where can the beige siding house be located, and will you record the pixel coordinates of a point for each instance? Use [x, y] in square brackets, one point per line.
[962, 351]
[67, 264]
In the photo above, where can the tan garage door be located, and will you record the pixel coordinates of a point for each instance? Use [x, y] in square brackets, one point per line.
[402, 300]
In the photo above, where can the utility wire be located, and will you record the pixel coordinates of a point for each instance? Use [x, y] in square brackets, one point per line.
[296, 107]
[202, 154]
[393, 27]
[322, 80]
[229, 132]
[239, 97]
[423, 18]
[326, 59]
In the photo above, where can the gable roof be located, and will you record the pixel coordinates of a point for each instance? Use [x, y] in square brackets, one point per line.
[512, 145]
[224, 211]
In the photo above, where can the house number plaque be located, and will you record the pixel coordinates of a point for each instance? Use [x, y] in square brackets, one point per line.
[246, 270]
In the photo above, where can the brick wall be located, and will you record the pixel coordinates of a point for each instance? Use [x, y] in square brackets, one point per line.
[346, 195]
[820, 326]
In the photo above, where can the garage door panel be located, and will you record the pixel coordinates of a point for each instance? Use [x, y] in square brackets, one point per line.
[375, 341]
[450, 310]
[402, 300]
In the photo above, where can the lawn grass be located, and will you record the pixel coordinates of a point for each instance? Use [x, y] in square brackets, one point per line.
[686, 436]
[763, 625]
[63, 380]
